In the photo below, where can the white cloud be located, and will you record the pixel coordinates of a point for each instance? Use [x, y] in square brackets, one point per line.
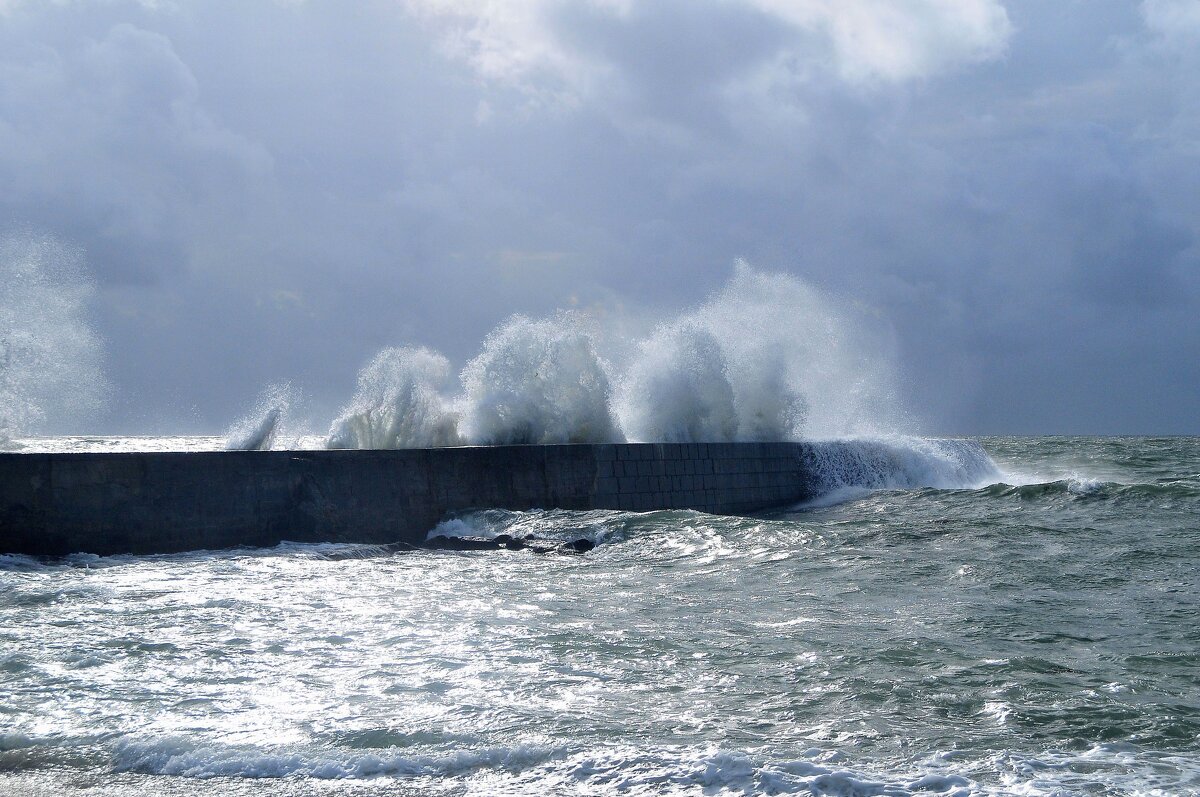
[862, 41]
[1172, 18]
[895, 41]
[514, 42]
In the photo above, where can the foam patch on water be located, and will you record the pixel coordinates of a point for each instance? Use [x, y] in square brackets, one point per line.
[1121, 767]
[726, 771]
[824, 773]
[631, 769]
[18, 562]
[620, 770]
[184, 758]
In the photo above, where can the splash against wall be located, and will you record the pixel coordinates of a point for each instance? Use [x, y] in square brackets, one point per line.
[767, 357]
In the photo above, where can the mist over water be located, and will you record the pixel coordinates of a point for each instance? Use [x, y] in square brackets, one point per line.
[50, 357]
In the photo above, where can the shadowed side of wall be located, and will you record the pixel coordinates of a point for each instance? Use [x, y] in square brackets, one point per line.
[141, 503]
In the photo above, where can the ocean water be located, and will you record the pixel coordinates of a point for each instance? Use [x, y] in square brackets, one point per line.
[1036, 632]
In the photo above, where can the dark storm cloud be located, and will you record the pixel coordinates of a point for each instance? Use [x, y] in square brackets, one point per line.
[276, 190]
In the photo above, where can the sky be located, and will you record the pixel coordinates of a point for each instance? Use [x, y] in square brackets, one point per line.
[268, 191]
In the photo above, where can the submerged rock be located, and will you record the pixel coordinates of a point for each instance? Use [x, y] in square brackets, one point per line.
[508, 542]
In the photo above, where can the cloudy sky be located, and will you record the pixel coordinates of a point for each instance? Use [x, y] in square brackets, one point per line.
[276, 190]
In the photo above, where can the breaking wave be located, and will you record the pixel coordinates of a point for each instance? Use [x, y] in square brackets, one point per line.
[658, 769]
[269, 424]
[899, 463]
[765, 358]
[180, 757]
[398, 404]
[537, 382]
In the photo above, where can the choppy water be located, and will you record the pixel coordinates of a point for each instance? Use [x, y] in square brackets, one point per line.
[1037, 636]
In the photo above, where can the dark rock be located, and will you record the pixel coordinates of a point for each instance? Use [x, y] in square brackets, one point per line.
[581, 545]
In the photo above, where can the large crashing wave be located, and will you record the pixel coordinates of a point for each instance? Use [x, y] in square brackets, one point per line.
[398, 404]
[677, 389]
[898, 463]
[766, 358]
[537, 382]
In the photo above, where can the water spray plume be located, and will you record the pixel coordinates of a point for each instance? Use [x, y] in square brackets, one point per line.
[270, 424]
[537, 382]
[50, 358]
[398, 404]
[764, 358]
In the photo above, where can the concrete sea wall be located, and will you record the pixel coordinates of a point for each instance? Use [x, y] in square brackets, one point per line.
[140, 503]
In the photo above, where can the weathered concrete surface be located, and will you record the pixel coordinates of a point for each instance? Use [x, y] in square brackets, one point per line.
[108, 503]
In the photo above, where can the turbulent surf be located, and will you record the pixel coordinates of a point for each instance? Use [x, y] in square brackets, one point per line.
[995, 617]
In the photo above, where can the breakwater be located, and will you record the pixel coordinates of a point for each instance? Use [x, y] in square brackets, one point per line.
[164, 502]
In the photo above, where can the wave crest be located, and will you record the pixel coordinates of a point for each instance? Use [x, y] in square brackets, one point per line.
[899, 463]
[766, 358]
[398, 404]
[537, 382]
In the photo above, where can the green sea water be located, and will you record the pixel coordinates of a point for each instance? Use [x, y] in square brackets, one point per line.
[1036, 634]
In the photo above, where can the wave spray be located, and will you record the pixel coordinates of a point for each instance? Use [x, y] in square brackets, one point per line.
[50, 357]
[765, 358]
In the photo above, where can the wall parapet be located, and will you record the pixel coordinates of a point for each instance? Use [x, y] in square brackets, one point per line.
[165, 502]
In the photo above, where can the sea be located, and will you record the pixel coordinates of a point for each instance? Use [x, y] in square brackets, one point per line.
[1033, 629]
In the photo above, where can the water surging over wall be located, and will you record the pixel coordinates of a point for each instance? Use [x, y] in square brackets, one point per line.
[898, 463]
[766, 358]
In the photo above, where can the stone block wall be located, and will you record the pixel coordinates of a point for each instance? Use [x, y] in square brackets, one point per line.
[108, 503]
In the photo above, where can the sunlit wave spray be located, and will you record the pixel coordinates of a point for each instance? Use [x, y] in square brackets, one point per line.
[537, 382]
[50, 357]
[270, 424]
[398, 404]
[765, 358]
